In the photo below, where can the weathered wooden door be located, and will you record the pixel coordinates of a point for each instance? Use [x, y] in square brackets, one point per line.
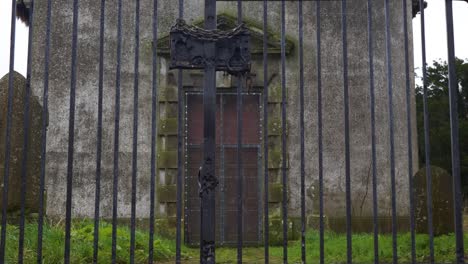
[226, 167]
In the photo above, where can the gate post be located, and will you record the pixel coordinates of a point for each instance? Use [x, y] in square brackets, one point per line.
[208, 179]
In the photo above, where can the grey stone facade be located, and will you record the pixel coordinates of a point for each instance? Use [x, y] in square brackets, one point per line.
[332, 77]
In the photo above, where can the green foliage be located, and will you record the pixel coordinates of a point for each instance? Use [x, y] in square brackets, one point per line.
[363, 248]
[164, 249]
[439, 117]
[82, 237]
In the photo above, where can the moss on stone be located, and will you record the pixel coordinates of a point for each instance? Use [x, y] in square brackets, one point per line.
[274, 158]
[274, 127]
[276, 230]
[167, 159]
[168, 94]
[275, 192]
[313, 222]
[171, 142]
[165, 228]
[172, 109]
[166, 193]
[168, 126]
[274, 94]
[171, 207]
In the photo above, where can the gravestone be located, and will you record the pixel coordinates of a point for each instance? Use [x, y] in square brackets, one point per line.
[442, 201]
[33, 164]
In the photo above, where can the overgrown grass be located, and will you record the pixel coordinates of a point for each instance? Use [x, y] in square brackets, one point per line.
[164, 249]
[363, 248]
[82, 244]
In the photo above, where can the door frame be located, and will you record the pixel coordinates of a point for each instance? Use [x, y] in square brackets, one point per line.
[221, 175]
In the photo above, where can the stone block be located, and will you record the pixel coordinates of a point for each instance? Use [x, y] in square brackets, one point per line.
[275, 192]
[168, 94]
[166, 193]
[33, 163]
[167, 159]
[275, 159]
[275, 94]
[275, 127]
[168, 126]
[276, 230]
[442, 201]
[313, 222]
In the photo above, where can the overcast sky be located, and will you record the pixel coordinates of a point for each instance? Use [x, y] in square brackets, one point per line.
[435, 35]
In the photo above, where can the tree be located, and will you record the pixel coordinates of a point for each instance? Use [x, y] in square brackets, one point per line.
[439, 117]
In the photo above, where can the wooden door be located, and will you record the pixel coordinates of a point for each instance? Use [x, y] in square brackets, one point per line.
[226, 167]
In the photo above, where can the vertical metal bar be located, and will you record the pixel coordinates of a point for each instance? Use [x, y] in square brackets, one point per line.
[209, 181]
[222, 177]
[25, 136]
[115, 183]
[410, 134]
[45, 110]
[453, 99]
[6, 172]
[319, 126]
[154, 113]
[240, 176]
[427, 144]
[180, 109]
[135, 132]
[266, 225]
[301, 114]
[99, 135]
[391, 127]
[71, 132]
[283, 134]
[370, 35]
[349, 254]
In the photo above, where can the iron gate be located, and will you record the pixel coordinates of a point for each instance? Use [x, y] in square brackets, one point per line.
[211, 50]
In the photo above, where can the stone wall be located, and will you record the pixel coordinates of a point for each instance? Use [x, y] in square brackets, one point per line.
[334, 169]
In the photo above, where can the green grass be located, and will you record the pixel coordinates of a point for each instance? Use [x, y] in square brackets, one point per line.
[82, 244]
[335, 247]
[363, 248]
